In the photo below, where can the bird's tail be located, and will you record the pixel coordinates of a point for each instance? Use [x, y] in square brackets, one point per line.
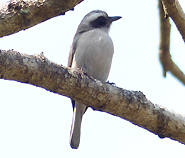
[76, 125]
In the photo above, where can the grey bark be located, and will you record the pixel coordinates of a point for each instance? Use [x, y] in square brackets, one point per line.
[17, 15]
[130, 105]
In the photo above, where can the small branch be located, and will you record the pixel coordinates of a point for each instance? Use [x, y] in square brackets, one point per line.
[173, 9]
[164, 45]
[18, 15]
[130, 105]
[164, 48]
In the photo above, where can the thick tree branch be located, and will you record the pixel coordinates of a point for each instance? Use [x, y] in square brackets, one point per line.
[164, 47]
[18, 15]
[130, 105]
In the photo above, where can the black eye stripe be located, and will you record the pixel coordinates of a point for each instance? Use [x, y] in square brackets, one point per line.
[99, 22]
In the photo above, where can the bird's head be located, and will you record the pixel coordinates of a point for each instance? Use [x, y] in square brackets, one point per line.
[96, 19]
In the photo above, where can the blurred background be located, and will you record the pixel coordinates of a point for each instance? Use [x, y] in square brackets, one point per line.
[36, 123]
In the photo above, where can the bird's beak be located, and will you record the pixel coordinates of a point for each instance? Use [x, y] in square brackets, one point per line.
[114, 18]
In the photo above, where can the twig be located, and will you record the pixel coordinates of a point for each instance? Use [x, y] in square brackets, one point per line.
[164, 46]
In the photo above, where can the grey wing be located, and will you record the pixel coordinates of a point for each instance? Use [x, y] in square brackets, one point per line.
[72, 50]
[71, 56]
[70, 61]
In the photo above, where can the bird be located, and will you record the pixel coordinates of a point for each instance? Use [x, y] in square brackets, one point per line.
[92, 51]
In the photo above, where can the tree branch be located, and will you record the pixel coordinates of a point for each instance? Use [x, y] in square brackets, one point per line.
[130, 105]
[173, 9]
[164, 47]
[18, 15]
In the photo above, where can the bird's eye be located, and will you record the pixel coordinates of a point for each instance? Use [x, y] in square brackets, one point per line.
[101, 19]
[99, 22]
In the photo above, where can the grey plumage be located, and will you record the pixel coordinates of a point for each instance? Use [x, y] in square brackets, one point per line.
[92, 49]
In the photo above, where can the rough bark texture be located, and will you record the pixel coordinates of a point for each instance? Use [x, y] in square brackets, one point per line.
[18, 15]
[130, 105]
[164, 47]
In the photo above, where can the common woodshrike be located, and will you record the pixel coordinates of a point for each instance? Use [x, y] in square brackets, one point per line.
[92, 50]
